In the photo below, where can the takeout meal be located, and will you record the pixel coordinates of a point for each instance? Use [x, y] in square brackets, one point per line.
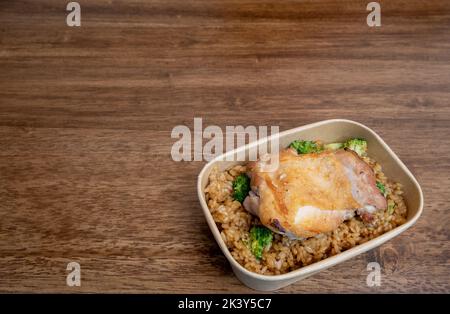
[319, 200]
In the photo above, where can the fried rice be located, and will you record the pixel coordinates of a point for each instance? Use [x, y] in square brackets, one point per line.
[285, 255]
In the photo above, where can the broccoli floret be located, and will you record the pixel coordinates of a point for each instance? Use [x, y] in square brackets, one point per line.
[382, 189]
[241, 187]
[358, 145]
[260, 239]
[333, 146]
[305, 147]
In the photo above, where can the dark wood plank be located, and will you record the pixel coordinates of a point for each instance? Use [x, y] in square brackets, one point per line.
[86, 115]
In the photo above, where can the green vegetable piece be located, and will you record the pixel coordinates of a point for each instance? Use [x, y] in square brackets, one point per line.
[382, 189]
[358, 145]
[241, 187]
[333, 146]
[305, 147]
[260, 239]
[391, 207]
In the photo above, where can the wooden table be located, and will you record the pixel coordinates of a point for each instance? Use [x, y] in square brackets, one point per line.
[86, 115]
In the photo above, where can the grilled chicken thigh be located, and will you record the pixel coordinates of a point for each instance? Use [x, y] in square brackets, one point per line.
[309, 194]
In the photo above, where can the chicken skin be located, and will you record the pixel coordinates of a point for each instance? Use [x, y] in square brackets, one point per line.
[309, 194]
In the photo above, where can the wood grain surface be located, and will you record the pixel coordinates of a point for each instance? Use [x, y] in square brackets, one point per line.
[86, 114]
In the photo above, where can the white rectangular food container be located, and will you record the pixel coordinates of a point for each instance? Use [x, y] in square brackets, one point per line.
[328, 131]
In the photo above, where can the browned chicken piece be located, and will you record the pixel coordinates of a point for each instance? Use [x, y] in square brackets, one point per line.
[309, 194]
